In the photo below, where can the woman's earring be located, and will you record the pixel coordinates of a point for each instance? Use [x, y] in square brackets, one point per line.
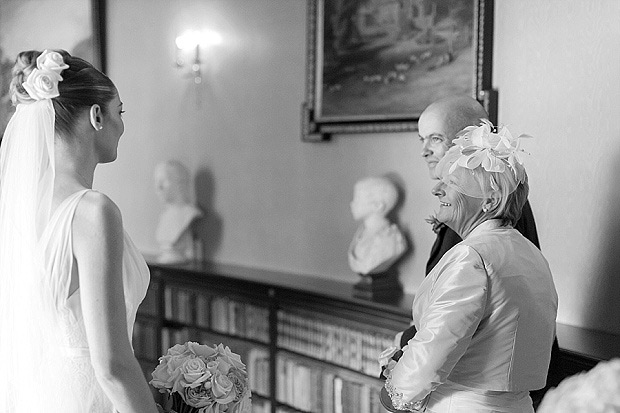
[485, 209]
[99, 127]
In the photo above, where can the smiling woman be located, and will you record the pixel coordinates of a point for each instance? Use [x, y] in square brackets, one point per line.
[482, 177]
[467, 353]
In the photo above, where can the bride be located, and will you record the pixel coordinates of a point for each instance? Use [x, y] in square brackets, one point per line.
[71, 279]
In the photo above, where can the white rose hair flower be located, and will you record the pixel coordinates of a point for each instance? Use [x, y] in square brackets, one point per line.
[42, 82]
[50, 60]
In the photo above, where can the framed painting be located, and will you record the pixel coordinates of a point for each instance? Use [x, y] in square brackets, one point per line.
[374, 65]
[77, 26]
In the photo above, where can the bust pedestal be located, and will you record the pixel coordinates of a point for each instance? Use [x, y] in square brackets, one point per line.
[380, 286]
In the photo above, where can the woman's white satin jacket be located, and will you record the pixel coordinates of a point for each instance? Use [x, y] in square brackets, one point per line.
[485, 318]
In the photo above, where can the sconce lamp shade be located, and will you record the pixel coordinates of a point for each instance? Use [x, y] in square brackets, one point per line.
[210, 37]
[192, 41]
[188, 40]
[193, 38]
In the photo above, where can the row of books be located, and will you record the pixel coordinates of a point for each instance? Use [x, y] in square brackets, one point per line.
[314, 388]
[179, 305]
[261, 406]
[173, 336]
[150, 305]
[219, 313]
[346, 346]
[241, 319]
[257, 363]
[144, 340]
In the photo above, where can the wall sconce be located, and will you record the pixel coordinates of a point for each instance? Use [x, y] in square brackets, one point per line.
[189, 44]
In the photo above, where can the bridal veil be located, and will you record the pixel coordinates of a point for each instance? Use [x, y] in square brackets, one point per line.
[32, 377]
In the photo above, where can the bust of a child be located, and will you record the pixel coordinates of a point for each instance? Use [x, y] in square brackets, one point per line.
[377, 243]
[174, 235]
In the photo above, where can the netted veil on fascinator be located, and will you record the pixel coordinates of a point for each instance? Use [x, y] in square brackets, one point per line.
[483, 160]
[29, 343]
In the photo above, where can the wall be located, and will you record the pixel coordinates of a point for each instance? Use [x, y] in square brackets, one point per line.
[275, 202]
[272, 201]
[557, 68]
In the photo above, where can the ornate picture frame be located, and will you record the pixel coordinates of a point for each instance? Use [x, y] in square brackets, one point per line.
[372, 66]
[78, 26]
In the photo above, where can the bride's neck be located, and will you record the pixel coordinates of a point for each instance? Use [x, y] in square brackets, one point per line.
[73, 164]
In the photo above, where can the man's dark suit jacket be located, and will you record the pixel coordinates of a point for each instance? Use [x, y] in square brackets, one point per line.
[446, 239]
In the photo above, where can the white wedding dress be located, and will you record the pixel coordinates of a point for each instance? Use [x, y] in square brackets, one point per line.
[81, 392]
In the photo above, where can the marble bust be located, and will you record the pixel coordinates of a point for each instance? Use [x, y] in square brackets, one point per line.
[377, 243]
[174, 234]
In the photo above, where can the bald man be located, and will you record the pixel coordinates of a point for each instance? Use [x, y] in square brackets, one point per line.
[441, 121]
[437, 128]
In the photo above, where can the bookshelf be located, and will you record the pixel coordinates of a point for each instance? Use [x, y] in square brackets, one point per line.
[308, 343]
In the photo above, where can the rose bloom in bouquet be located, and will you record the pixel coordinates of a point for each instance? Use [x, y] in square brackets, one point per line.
[202, 379]
[595, 391]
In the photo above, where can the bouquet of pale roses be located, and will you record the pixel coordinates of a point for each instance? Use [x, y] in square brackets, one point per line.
[202, 379]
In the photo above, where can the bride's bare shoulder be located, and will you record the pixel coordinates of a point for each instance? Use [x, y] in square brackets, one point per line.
[96, 212]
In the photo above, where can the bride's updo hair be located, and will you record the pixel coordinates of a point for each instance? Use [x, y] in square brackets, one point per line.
[81, 87]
